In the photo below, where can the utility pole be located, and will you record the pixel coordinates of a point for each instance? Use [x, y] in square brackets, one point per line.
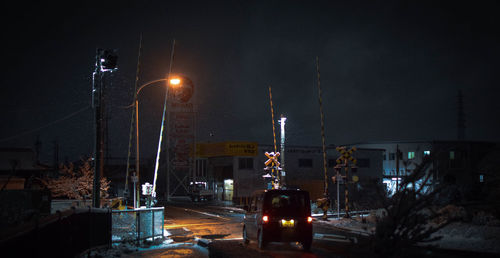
[106, 61]
[137, 203]
[397, 167]
[337, 179]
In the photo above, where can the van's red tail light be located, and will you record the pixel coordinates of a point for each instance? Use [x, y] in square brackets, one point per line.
[265, 218]
[309, 219]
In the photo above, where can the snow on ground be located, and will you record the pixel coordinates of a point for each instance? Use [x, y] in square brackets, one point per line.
[231, 209]
[457, 236]
[354, 224]
[472, 236]
[466, 236]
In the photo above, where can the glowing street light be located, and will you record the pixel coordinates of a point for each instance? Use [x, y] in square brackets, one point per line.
[175, 81]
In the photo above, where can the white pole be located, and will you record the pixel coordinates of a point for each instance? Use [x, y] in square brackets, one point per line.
[282, 154]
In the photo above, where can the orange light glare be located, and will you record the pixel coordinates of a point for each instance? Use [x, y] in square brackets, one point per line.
[309, 219]
[265, 218]
[175, 81]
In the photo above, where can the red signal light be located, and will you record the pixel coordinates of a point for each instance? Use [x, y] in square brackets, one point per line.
[309, 219]
[265, 218]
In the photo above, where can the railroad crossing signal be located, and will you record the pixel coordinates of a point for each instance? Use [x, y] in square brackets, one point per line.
[272, 159]
[342, 161]
[346, 155]
[274, 165]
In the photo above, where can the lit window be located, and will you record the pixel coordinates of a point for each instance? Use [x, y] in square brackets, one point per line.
[481, 178]
[427, 153]
[452, 155]
[411, 155]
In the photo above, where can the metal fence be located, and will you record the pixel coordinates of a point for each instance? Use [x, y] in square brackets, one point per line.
[137, 224]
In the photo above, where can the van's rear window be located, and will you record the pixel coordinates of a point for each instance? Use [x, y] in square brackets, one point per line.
[284, 203]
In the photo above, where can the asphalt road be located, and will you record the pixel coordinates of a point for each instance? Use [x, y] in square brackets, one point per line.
[221, 229]
[211, 230]
[187, 221]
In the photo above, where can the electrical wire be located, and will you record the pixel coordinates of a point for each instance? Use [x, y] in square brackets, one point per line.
[47, 125]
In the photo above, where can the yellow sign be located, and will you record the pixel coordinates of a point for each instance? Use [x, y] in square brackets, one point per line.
[220, 149]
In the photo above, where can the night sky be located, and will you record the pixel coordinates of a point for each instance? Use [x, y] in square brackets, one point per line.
[390, 70]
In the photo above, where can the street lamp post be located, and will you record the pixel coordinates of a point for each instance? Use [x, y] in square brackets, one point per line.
[171, 81]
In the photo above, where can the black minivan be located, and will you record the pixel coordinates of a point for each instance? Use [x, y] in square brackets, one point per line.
[278, 216]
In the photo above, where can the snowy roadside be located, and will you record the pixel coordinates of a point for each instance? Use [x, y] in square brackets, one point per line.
[354, 225]
[469, 237]
[231, 209]
[457, 236]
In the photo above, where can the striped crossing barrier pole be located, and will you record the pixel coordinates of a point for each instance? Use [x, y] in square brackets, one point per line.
[274, 170]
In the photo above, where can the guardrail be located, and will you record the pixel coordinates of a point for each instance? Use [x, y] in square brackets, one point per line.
[137, 224]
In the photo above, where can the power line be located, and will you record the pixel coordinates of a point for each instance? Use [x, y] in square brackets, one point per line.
[47, 125]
